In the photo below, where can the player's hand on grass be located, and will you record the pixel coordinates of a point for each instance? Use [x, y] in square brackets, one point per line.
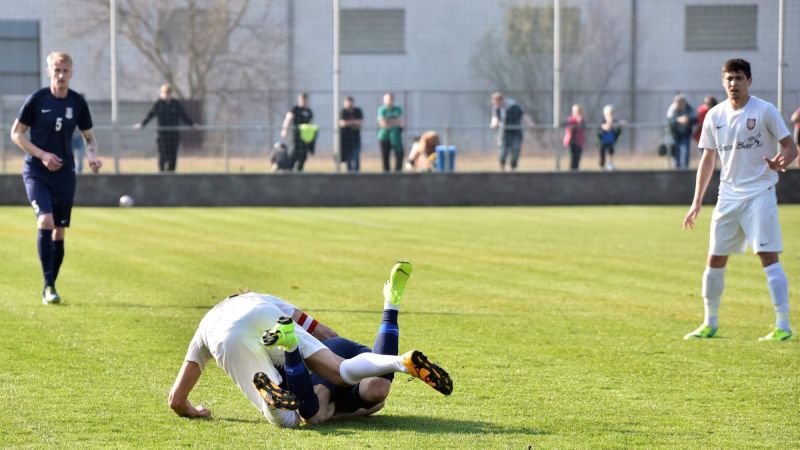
[778, 163]
[688, 221]
[51, 161]
[95, 165]
[202, 412]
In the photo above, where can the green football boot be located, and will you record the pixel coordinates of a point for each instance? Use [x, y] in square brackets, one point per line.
[398, 277]
[777, 335]
[703, 332]
[282, 334]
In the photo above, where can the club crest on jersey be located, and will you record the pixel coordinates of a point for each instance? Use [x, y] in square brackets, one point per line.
[751, 123]
[68, 115]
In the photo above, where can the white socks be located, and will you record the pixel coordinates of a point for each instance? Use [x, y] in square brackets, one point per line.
[368, 365]
[713, 284]
[779, 294]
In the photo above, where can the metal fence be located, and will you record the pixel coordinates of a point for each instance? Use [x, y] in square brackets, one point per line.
[246, 148]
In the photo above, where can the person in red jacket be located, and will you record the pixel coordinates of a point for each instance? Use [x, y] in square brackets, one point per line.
[708, 103]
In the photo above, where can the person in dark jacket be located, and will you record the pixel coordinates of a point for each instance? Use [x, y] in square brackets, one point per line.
[169, 113]
[681, 119]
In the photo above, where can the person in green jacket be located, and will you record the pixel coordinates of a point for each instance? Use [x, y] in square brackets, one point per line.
[390, 132]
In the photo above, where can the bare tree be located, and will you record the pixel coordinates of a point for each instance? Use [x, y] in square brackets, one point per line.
[519, 59]
[205, 48]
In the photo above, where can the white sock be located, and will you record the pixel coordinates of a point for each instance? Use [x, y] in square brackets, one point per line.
[387, 298]
[368, 365]
[713, 284]
[779, 294]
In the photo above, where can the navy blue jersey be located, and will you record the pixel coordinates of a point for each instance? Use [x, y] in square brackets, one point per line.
[52, 121]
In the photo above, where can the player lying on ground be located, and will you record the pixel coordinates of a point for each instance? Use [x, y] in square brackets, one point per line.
[326, 400]
[231, 334]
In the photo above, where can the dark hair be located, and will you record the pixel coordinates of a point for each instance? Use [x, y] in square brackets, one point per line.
[304, 95]
[737, 65]
[349, 98]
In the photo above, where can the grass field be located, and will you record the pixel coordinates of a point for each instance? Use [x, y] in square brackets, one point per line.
[562, 327]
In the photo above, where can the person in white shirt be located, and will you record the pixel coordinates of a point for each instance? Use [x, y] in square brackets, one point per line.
[231, 334]
[744, 131]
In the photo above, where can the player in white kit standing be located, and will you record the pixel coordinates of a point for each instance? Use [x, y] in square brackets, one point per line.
[743, 131]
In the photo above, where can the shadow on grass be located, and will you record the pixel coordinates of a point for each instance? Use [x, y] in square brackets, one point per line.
[405, 313]
[337, 311]
[143, 306]
[417, 424]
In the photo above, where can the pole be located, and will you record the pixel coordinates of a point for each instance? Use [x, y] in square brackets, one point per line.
[114, 100]
[781, 63]
[633, 75]
[337, 85]
[557, 77]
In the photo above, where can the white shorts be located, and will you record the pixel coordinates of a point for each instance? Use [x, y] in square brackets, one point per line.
[240, 354]
[736, 224]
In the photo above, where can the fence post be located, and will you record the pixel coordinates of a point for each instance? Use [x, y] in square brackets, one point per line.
[225, 153]
[557, 147]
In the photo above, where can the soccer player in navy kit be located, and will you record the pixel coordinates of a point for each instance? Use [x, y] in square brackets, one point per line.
[51, 114]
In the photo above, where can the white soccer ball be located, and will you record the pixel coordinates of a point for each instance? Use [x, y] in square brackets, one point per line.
[126, 201]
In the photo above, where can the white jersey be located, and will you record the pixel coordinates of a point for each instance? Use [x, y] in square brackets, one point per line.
[742, 138]
[231, 334]
[251, 312]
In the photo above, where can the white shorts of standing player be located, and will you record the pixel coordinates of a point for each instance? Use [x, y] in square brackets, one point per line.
[736, 224]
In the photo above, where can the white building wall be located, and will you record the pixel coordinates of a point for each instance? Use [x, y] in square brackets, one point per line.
[434, 78]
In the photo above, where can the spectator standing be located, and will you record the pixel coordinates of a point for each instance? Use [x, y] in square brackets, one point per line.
[169, 114]
[708, 103]
[607, 136]
[298, 115]
[507, 118]
[681, 120]
[575, 136]
[796, 122]
[390, 132]
[350, 121]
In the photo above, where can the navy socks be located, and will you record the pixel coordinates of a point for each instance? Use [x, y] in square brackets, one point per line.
[299, 383]
[388, 338]
[58, 257]
[46, 252]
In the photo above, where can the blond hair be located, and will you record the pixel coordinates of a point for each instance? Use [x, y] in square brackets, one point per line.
[54, 57]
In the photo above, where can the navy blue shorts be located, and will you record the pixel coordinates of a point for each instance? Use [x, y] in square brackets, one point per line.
[346, 398]
[51, 194]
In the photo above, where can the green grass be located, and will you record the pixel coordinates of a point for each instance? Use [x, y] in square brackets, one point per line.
[562, 327]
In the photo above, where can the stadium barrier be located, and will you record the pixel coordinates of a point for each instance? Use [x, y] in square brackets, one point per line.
[405, 189]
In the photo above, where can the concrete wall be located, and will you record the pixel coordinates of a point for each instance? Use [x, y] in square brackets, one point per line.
[456, 189]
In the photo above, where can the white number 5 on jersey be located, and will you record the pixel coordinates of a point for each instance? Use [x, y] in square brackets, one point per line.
[58, 124]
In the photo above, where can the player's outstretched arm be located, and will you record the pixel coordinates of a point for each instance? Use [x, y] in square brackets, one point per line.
[287, 121]
[704, 172]
[91, 150]
[19, 136]
[179, 395]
